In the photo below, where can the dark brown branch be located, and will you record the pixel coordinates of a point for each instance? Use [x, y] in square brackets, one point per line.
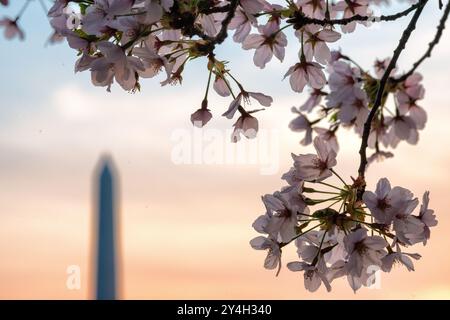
[221, 9]
[301, 20]
[378, 100]
[223, 33]
[431, 45]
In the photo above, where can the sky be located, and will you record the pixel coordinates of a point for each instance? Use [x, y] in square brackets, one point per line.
[185, 223]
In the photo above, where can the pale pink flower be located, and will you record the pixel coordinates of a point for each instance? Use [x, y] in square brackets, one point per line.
[355, 108]
[281, 218]
[413, 87]
[303, 73]
[253, 6]
[154, 10]
[313, 8]
[363, 251]
[12, 30]
[380, 67]
[58, 8]
[245, 125]
[428, 219]
[311, 167]
[308, 245]
[242, 22]
[399, 257]
[379, 156]
[211, 23]
[300, 124]
[351, 8]
[268, 43]
[244, 96]
[344, 82]
[387, 204]
[273, 259]
[202, 116]
[408, 104]
[402, 128]
[314, 275]
[292, 178]
[379, 132]
[101, 15]
[315, 39]
[114, 62]
[315, 98]
[329, 136]
[152, 61]
[221, 86]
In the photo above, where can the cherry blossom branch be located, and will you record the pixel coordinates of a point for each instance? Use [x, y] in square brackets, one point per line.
[431, 45]
[301, 20]
[379, 96]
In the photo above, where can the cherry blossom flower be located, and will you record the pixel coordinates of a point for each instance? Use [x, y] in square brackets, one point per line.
[380, 67]
[314, 275]
[269, 42]
[152, 61]
[303, 73]
[221, 86]
[399, 257]
[264, 100]
[311, 167]
[313, 8]
[386, 202]
[314, 100]
[115, 63]
[273, 259]
[12, 30]
[281, 216]
[363, 251]
[329, 136]
[355, 108]
[427, 217]
[379, 156]
[315, 41]
[379, 133]
[351, 8]
[300, 124]
[246, 125]
[402, 128]
[407, 98]
[202, 116]
[253, 6]
[343, 81]
[102, 15]
[58, 8]
[242, 22]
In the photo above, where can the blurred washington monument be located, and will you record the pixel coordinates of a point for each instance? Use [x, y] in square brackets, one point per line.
[106, 257]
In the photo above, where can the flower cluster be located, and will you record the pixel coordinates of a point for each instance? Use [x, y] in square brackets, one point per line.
[347, 98]
[11, 25]
[127, 40]
[336, 233]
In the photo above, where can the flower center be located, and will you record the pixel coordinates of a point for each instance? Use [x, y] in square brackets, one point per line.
[383, 204]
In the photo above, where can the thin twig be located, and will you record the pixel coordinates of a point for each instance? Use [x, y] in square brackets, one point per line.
[301, 20]
[431, 45]
[378, 100]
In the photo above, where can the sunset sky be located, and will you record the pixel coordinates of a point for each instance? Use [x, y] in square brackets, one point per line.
[185, 228]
